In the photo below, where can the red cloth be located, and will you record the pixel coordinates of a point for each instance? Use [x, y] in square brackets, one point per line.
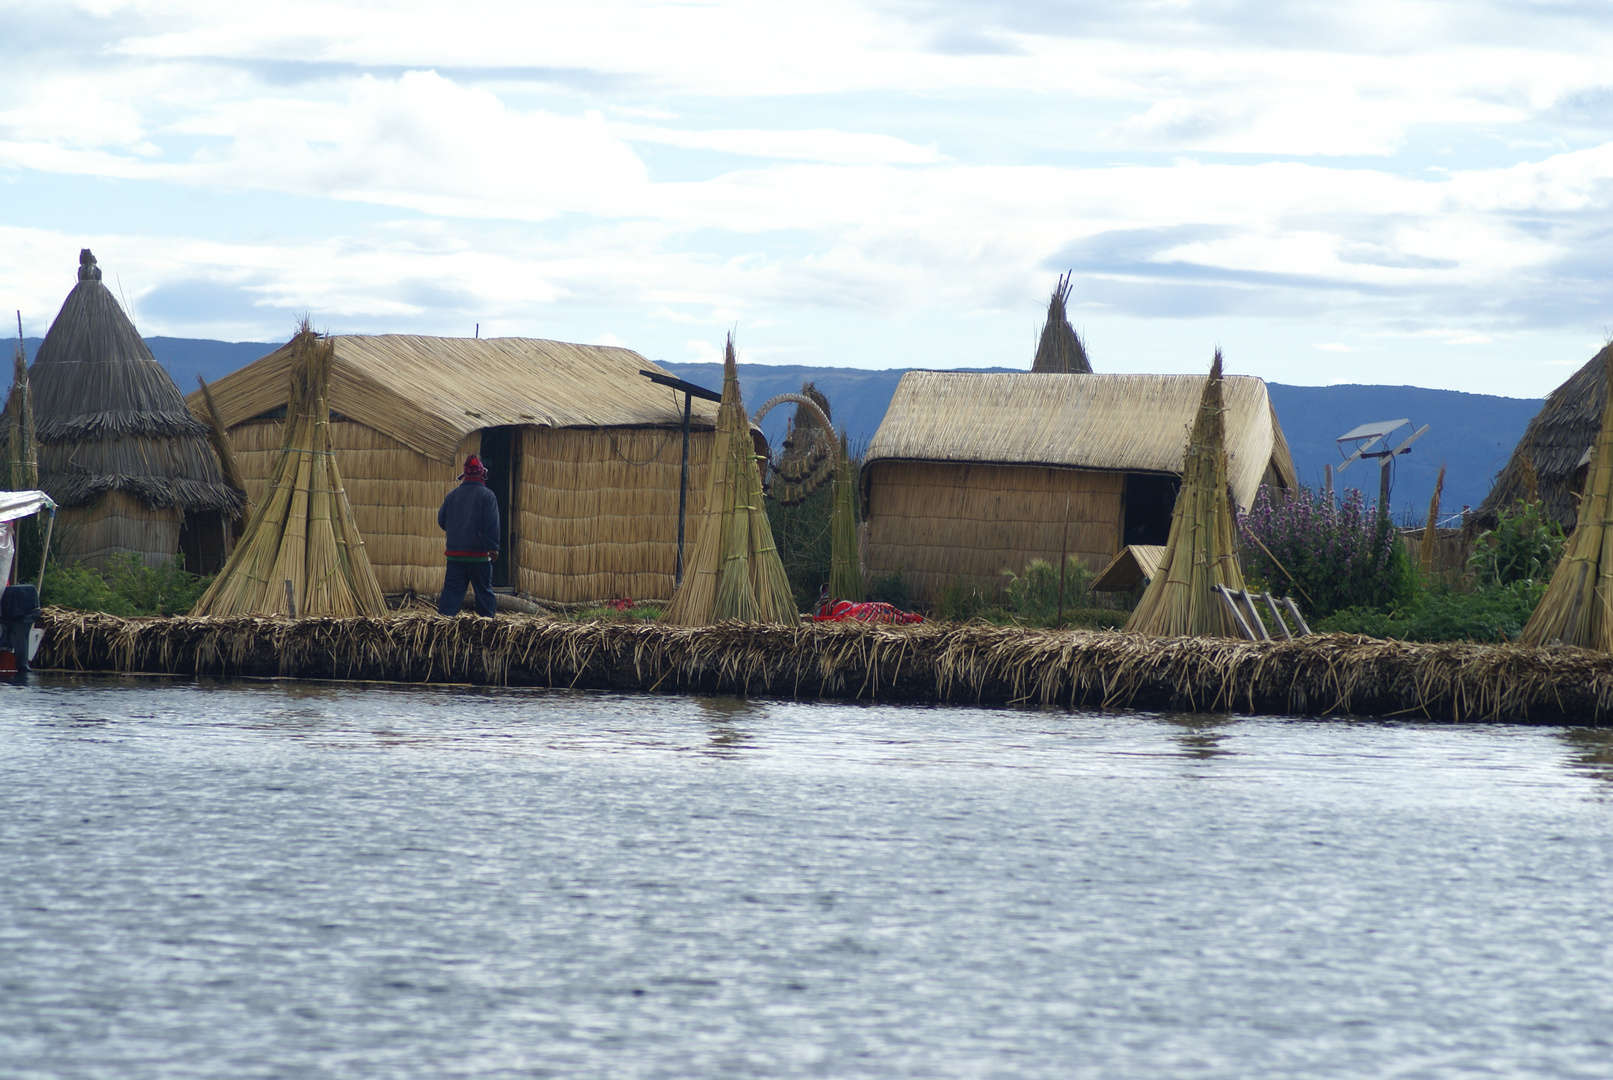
[872, 611]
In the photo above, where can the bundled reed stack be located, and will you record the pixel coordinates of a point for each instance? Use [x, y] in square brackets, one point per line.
[734, 571]
[22, 455]
[1060, 350]
[1578, 606]
[220, 438]
[845, 569]
[1425, 553]
[301, 554]
[1200, 553]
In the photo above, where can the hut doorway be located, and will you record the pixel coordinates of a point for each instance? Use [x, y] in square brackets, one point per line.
[498, 454]
[1150, 500]
[205, 541]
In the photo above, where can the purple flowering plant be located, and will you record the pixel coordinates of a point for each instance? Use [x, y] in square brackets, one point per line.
[1331, 556]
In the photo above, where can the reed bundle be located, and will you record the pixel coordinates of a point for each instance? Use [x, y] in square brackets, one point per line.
[734, 571]
[845, 567]
[22, 454]
[220, 438]
[301, 554]
[1578, 606]
[1430, 542]
[1320, 675]
[1060, 350]
[1201, 552]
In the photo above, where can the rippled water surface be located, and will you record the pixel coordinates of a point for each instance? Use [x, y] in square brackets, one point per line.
[273, 880]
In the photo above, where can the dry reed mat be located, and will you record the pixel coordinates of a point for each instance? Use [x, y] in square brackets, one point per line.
[1201, 552]
[301, 553]
[1337, 675]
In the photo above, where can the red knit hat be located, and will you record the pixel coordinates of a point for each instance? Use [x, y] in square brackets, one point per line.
[474, 469]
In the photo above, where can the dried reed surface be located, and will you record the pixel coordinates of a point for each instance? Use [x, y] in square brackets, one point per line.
[1323, 675]
[429, 393]
[1429, 545]
[1126, 423]
[936, 522]
[845, 569]
[1201, 552]
[1060, 352]
[109, 418]
[1578, 606]
[302, 553]
[734, 570]
[119, 523]
[1551, 448]
[220, 438]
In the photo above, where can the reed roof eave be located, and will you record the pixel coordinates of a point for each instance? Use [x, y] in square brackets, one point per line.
[430, 392]
[1113, 423]
[1555, 442]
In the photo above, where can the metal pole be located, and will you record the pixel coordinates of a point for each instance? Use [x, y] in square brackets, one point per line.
[44, 554]
[683, 485]
[1383, 487]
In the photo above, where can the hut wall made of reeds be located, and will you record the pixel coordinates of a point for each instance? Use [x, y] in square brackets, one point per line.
[1552, 451]
[971, 474]
[593, 456]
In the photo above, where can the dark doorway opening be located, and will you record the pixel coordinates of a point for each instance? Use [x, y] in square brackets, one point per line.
[203, 541]
[498, 454]
[1150, 499]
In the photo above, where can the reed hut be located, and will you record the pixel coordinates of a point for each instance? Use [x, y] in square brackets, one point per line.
[117, 449]
[1549, 461]
[1059, 351]
[971, 474]
[584, 454]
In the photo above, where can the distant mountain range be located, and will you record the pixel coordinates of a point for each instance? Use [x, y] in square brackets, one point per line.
[1472, 434]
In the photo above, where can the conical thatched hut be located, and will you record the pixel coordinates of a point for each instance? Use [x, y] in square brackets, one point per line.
[118, 449]
[1060, 351]
[1552, 452]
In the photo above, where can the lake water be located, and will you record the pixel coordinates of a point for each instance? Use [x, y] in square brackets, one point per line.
[284, 880]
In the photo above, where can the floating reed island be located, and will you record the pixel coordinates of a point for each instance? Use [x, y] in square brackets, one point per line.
[1320, 675]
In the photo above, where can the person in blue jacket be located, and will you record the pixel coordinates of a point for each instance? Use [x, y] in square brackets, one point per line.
[469, 516]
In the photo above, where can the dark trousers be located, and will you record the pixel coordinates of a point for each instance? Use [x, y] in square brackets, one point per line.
[480, 577]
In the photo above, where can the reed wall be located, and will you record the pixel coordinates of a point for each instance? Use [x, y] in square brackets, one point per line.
[936, 522]
[394, 492]
[596, 516]
[118, 523]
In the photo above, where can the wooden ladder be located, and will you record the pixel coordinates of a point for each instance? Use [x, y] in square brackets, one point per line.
[1242, 605]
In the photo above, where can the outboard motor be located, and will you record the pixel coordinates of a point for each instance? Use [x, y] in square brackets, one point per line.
[19, 608]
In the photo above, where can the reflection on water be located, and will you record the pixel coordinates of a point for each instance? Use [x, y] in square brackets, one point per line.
[1593, 750]
[1200, 738]
[280, 880]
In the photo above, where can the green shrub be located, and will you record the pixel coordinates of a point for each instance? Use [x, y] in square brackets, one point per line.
[617, 611]
[127, 586]
[1524, 545]
[1487, 614]
[1332, 557]
[801, 534]
[893, 590]
[1034, 594]
[960, 601]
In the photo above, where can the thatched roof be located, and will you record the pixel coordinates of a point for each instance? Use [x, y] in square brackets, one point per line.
[1060, 352]
[1117, 423]
[108, 416]
[430, 392]
[1555, 445]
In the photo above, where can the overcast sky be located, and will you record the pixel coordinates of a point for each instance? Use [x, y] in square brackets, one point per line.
[1389, 192]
